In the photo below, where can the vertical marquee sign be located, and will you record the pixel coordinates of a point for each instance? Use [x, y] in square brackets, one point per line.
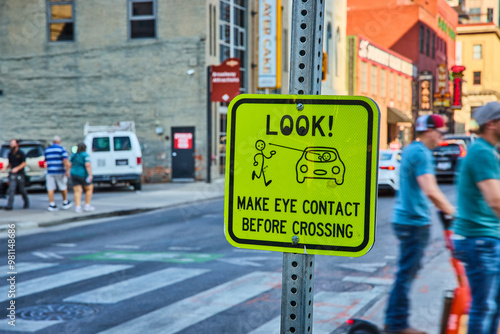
[269, 44]
[457, 74]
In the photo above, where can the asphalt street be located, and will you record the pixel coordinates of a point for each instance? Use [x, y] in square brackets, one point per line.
[171, 270]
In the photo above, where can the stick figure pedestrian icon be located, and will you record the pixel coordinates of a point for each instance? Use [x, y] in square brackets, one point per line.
[259, 160]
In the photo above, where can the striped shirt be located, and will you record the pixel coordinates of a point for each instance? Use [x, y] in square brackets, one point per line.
[54, 156]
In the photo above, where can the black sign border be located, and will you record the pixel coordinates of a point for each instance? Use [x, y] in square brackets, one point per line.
[305, 102]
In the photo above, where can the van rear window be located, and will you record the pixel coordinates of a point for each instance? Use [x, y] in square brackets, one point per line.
[122, 144]
[100, 144]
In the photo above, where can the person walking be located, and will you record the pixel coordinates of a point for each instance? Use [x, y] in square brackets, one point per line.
[477, 225]
[411, 217]
[17, 162]
[81, 176]
[58, 167]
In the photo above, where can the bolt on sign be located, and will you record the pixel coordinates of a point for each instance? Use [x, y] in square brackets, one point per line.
[301, 173]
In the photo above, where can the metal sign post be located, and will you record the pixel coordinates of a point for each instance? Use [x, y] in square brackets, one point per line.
[305, 78]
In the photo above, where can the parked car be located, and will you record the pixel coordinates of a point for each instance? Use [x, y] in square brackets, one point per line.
[388, 174]
[36, 167]
[447, 156]
[468, 139]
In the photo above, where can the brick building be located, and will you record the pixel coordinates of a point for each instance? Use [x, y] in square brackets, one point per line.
[424, 31]
[386, 77]
[65, 62]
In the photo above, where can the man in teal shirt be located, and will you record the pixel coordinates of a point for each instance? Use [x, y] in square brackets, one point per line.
[411, 217]
[477, 226]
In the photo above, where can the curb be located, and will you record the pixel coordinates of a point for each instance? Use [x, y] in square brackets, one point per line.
[117, 213]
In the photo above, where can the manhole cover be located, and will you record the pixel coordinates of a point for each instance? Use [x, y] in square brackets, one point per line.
[56, 312]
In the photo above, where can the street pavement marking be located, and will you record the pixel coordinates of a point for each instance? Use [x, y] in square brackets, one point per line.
[64, 245]
[123, 246]
[29, 326]
[48, 255]
[369, 280]
[191, 310]
[172, 257]
[331, 310]
[60, 279]
[133, 287]
[366, 267]
[24, 267]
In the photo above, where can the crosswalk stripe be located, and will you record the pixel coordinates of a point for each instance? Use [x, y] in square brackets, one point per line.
[331, 310]
[24, 267]
[133, 287]
[369, 280]
[191, 310]
[60, 279]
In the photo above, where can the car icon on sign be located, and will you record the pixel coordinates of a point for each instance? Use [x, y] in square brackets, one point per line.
[320, 163]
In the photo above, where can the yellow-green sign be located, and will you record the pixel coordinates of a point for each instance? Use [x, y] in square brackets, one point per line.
[301, 173]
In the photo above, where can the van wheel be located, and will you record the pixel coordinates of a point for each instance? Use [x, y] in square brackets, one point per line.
[137, 185]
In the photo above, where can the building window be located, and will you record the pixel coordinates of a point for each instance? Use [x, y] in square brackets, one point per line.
[407, 91]
[364, 77]
[382, 82]
[489, 17]
[374, 79]
[142, 18]
[433, 46]
[212, 30]
[337, 48]
[475, 14]
[428, 42]
[61, 21]
[477, 51]
[391, 85]
[399, 88]
[329, 47]
[477, 78]
[422, 39]
[232, 18]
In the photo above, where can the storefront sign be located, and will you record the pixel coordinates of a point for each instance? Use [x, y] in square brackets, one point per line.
[225, 80]
[371, 52]
[442, 95]
[269, 44]
[183, 141]
[425, 87]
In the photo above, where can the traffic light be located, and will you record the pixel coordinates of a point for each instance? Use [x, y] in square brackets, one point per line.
[324, 66]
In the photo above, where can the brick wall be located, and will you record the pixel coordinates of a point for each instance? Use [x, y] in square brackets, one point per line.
[103, 77]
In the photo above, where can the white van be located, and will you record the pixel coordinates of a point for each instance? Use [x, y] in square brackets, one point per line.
[115, 154]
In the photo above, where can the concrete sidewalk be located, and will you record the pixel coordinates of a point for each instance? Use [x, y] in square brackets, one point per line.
[109, 202]
[426, 298]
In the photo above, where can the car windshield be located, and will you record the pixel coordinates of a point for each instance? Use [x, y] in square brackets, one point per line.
[385, 156]
[451, 149]
[320, 156]
[30, 151]
[466, 139]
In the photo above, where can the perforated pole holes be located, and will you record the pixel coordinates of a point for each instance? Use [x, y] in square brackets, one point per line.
[305, 79]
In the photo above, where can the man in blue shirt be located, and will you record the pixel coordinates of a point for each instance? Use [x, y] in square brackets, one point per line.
[477, 226]
[411, 217]
[58, 167]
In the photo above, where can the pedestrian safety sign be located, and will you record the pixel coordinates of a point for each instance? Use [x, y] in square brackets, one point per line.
[301, 173]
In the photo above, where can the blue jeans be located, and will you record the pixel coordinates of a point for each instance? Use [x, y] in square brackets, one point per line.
[412, 243]
[481, 258]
